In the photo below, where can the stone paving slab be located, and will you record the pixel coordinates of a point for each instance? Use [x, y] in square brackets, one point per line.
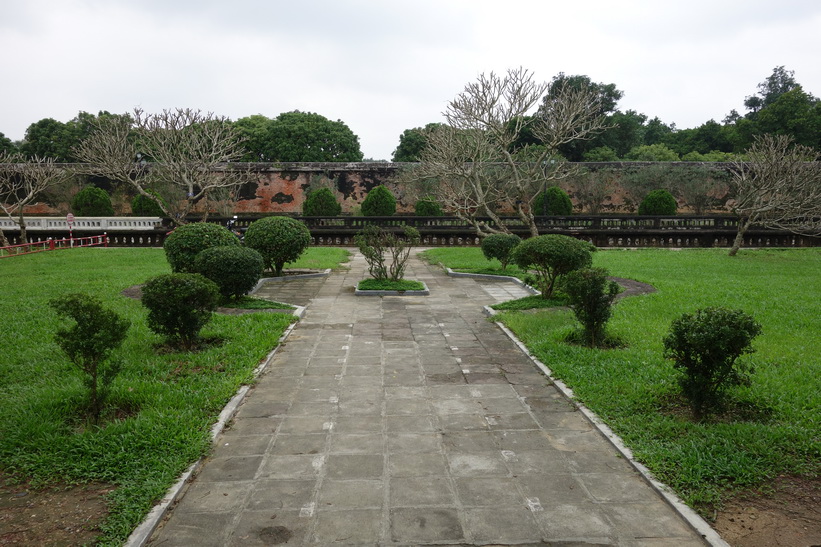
[412, 420]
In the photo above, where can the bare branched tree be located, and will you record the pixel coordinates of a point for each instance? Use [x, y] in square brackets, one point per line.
[779, 186]
[181, 155]
[476, 159]
[21, 182]
[592, 188]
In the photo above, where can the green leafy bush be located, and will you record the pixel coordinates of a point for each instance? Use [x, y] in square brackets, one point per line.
[553, 201]
[658, 202]
[89, 342]
[591, 298]
[278, 240]
[374, 242]
[552, 256]
[321, 203]
[379, 203]
[187, 241]
[92, 202]
[428, 207]
[500, 247]
[144, 206]
[705, 346]
[179, 306]
[235, 270]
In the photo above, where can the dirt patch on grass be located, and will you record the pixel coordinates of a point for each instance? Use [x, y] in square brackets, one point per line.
[56, 515]
[632, 287]
[789, 515]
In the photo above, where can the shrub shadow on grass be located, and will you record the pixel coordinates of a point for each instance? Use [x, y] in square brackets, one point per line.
[736, 409]
[610, 341]
[204, 343]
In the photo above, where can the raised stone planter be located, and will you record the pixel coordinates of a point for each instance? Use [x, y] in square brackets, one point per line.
[422, 292]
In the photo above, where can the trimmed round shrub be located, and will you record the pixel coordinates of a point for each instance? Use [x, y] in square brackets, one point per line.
[187, 241]
[591, 298]
[144, 206]
[500, 247]
[428, 207]
[379, 203]
[658, 202]
[321, 203]
[235, 270]
[705, 346]
[552, 256]
[278, 240]
[92, 202]
[553, 201]
[179, 306]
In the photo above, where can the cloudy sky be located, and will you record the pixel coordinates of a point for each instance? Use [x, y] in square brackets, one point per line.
[385, 66]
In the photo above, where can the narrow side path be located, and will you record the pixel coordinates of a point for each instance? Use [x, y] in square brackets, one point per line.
[413, 421]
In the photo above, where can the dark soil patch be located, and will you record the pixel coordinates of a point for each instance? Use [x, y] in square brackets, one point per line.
[57, 515]
[632, 287]
[788, 515]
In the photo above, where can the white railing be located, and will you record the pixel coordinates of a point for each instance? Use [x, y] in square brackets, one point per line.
[110, 224]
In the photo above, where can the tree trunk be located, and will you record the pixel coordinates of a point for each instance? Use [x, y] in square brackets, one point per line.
[4, 242]
[23, 238]
[743, 224]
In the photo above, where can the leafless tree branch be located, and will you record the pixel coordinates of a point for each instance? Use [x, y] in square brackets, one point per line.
[779, 186]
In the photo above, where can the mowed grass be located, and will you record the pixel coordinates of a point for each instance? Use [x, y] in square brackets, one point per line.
[166, 403]
[775, 423]
[319, 258]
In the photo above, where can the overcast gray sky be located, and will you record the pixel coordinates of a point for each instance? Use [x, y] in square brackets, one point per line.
[383, 66]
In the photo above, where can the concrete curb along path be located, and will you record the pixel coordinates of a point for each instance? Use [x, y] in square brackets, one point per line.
[142, 533]
[694, 519]
[413, 420]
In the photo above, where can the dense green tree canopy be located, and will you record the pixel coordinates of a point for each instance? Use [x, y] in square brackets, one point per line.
[49, 138]
[776, 84]
[6, 144]
[412, 142]
[307, 137]
[255, 130]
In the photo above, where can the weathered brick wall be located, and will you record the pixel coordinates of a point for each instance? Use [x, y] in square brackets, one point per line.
[282, 188]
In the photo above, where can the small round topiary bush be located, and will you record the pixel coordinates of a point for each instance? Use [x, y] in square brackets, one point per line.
[235, 270]
[278, 240]
[179, 305]
[552, 256]
[321, 203]
[144, 206]
[500, 247]
[92, 202]
[658, 202]
[379, 203]
[187, 241]
[553, 201]
[591, 298]
[705, 346]
[428, 207]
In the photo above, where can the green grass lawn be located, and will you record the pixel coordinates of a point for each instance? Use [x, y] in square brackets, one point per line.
[167, 402]
[470, 260]
[319, 258]
[774, 427]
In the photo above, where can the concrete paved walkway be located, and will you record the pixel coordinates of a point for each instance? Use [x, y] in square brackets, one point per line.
[413, 421]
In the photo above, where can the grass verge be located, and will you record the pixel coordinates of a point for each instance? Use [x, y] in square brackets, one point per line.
[773, 427]
[319, 258]
[161, 406]
[252, 303]
[470, 260]
[387, 285]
